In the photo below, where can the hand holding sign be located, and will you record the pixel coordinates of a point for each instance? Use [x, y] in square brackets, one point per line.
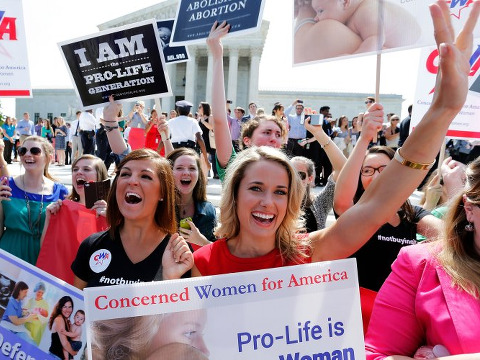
[177, 258]
[372, 121]
[214, 40]
[452, 79]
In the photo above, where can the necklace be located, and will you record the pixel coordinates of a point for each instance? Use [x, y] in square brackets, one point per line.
[33, 225]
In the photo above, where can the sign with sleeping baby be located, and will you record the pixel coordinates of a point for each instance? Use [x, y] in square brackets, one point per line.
[299, 312]
[41, 316]
[326, 29]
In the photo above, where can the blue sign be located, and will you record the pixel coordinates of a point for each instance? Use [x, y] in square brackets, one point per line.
[196, 17]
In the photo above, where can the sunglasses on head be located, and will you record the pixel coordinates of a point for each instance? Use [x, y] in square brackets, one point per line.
[33, 150]
[303, 175]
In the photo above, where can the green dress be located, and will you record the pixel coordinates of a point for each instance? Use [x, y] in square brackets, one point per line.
[22, 233]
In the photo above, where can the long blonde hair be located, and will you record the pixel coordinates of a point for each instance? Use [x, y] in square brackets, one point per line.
[291, 246]
[458, 255]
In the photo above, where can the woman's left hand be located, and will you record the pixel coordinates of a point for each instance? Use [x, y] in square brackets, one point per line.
[193, 235]
[177, 258]
[100, 206]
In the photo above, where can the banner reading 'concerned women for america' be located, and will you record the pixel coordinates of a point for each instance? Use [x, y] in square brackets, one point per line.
[299, 312]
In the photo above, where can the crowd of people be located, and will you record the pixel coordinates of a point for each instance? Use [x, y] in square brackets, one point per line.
[160, 224]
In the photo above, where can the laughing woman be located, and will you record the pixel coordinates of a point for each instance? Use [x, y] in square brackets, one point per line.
[24, 199]
[141, 240]
[191, 188]
[86, 168]
[262, 193]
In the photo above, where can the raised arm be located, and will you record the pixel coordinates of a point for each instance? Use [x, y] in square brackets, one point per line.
[378, 203]
[348, 179]
[334, 154]
[223, 139]
[115, 138]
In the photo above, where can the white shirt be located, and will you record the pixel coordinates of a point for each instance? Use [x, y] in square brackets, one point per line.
[183, 128]
[87, 121]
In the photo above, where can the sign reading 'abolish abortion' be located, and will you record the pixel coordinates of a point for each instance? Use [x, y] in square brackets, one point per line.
[196, 17]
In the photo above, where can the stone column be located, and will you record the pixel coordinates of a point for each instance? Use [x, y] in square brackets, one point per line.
[254, 69]
[208, 89]
[232, 75]
[191, 75]
[168, 103]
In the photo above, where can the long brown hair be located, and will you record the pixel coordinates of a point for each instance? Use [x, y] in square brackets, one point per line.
[458, 255]
[200, 189]
[98, 165]
[47, 150]
[165, 211]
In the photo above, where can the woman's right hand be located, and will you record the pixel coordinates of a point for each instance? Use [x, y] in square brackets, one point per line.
[5, 190]
[214, 40]
[54, 207]
[372, 121]
[111, 111]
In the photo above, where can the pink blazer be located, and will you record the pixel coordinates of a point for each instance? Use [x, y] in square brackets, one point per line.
[418, 306]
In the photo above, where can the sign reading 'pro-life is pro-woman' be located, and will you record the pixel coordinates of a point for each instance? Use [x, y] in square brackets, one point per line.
[126, 62]
[196, 17]
[302, 312]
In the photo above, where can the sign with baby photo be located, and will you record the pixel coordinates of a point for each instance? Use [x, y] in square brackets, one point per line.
[304, 312]
[363, 27]
[41, 316]
[126, 62]
[195, 18]
[465, 125]
[172, 54]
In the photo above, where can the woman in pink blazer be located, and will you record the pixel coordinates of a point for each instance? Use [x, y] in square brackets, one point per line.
[432, 296]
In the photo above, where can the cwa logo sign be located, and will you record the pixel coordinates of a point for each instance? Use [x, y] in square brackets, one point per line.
[456, 7]
[8, 28]
[432, 62]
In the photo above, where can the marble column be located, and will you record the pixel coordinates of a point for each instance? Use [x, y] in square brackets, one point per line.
[208, 90]
[168, 103]
[254, 70]
[232, 75]
[190, 76]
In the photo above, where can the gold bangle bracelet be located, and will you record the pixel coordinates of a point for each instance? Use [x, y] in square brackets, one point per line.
[412, 164]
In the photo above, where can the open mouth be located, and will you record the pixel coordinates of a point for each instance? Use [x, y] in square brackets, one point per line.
[29, 161]
[263, 218]
[185, 181]
[81, 182]
[132, 198]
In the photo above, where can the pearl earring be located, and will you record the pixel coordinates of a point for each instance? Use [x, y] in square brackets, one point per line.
[469, 227]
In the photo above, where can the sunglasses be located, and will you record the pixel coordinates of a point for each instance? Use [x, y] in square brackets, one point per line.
[303, 175]
[34, 150]
[369, 102]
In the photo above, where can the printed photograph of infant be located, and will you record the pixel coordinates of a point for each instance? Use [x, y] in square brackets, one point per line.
[165, 336]
[331, 28]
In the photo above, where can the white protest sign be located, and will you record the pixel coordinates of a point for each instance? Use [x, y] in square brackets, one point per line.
[363, 27]
[290, 313]
[14, 69]
[466, 124]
